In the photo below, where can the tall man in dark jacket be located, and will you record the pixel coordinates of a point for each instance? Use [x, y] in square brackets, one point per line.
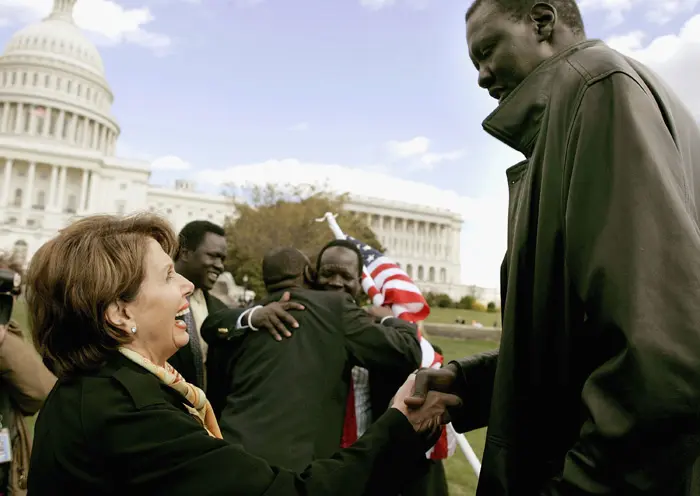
[201, 260]
[596, 387]
[286, 400]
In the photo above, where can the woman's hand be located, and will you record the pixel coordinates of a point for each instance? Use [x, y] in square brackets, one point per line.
[433, 411]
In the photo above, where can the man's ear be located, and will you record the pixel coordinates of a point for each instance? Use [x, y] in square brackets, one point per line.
[309, 275]
[119, 316]
[544, 16]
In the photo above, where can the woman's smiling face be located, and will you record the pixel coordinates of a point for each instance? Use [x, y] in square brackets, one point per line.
[162, 296]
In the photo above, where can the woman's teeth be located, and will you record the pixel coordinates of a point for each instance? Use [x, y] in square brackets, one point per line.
[182, 313]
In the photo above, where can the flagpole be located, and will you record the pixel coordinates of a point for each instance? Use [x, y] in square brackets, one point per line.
[461, 439]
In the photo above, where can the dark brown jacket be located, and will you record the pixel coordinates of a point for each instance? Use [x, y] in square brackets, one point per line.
[596, 389]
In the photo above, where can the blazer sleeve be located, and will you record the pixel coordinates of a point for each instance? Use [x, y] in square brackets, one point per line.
[374, 346]
[162, 450]
[631, 246]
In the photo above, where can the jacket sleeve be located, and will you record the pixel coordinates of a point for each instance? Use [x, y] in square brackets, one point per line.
[632, 248]
[162, 450]
[385, 348]
[474, 385]
[22, 370]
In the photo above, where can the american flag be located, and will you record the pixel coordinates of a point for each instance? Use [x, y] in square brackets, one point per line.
[382, 276]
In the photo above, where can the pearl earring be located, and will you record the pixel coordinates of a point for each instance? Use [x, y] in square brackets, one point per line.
[133, 330]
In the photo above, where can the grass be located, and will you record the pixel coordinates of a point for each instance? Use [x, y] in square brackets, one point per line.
[449, 315]
[460, 476]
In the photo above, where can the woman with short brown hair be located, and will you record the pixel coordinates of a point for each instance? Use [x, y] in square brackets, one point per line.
[106, 305]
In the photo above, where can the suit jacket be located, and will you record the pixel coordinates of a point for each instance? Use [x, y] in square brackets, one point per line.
[183, 360]
[121, 431]
[286, 401]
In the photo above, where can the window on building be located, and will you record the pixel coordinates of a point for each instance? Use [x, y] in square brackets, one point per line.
[409, 270]
[41, 200]
[120, 207]
[443, 275]
[431, 274]
[18, 197]
[72, 204]
[421, 274]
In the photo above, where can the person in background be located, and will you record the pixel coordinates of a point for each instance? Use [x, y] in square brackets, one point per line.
[285, 401]
[200, 260]
[106, 306]
[595, 388]
[339, 268]
[24, 384]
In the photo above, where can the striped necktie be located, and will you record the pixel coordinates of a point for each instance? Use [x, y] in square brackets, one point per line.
[196, 347]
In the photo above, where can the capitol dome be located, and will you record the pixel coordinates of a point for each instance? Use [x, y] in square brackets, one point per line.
[53, 86]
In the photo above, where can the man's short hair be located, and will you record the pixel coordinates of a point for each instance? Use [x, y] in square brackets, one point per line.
[193, 233]
[283, 264]
[342, 243]
[568, 10]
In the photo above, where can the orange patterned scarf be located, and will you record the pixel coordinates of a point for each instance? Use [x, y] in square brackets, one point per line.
[202, 410]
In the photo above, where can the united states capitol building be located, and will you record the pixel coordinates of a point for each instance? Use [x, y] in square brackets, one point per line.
[57, 162]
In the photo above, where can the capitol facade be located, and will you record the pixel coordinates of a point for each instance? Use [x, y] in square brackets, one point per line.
[57, 162]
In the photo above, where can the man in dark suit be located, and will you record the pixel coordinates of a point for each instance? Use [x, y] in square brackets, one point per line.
[339, 268]
[201, 260]
[286, 400]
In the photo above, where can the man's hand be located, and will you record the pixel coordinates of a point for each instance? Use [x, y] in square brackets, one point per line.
[273, 317]
[379, 312]
[433, 411]
[431, 380]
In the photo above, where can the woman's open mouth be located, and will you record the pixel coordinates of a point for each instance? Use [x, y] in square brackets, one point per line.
[180, 317]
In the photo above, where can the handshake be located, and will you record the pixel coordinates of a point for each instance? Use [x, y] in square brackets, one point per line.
[424, 398]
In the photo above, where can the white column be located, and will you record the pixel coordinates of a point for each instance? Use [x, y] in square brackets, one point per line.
[47, 122]
[93, 201]
[73, 128]
[61, 194]
[32, 120]
[52, 188]
[19, 120]
[27, 199]
[95, 136]
[60, 123]
[6, 183]
[6, 107]
[83, 192]
[103, 139]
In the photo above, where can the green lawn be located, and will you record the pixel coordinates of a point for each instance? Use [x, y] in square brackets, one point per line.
[449, 315]
[461, 477]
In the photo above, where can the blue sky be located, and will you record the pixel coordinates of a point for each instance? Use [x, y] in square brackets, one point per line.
[380, 99]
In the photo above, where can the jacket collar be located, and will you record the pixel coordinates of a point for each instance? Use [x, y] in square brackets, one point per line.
[516, 121]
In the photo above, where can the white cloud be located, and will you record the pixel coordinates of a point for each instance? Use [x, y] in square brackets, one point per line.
[377, 4]
[417, 152]
[300, 126]
[616, 9]
[673, 56]
[170, 163]
[662, 12]
[111, 22]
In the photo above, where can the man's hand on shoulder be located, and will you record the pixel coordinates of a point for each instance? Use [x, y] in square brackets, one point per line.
[274, 317]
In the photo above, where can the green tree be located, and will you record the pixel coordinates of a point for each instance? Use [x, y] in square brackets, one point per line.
[467, 302]
[271, 216]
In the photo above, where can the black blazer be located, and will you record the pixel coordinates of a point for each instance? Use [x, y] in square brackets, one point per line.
[121, 431]
[286, 401]
[183, 360]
